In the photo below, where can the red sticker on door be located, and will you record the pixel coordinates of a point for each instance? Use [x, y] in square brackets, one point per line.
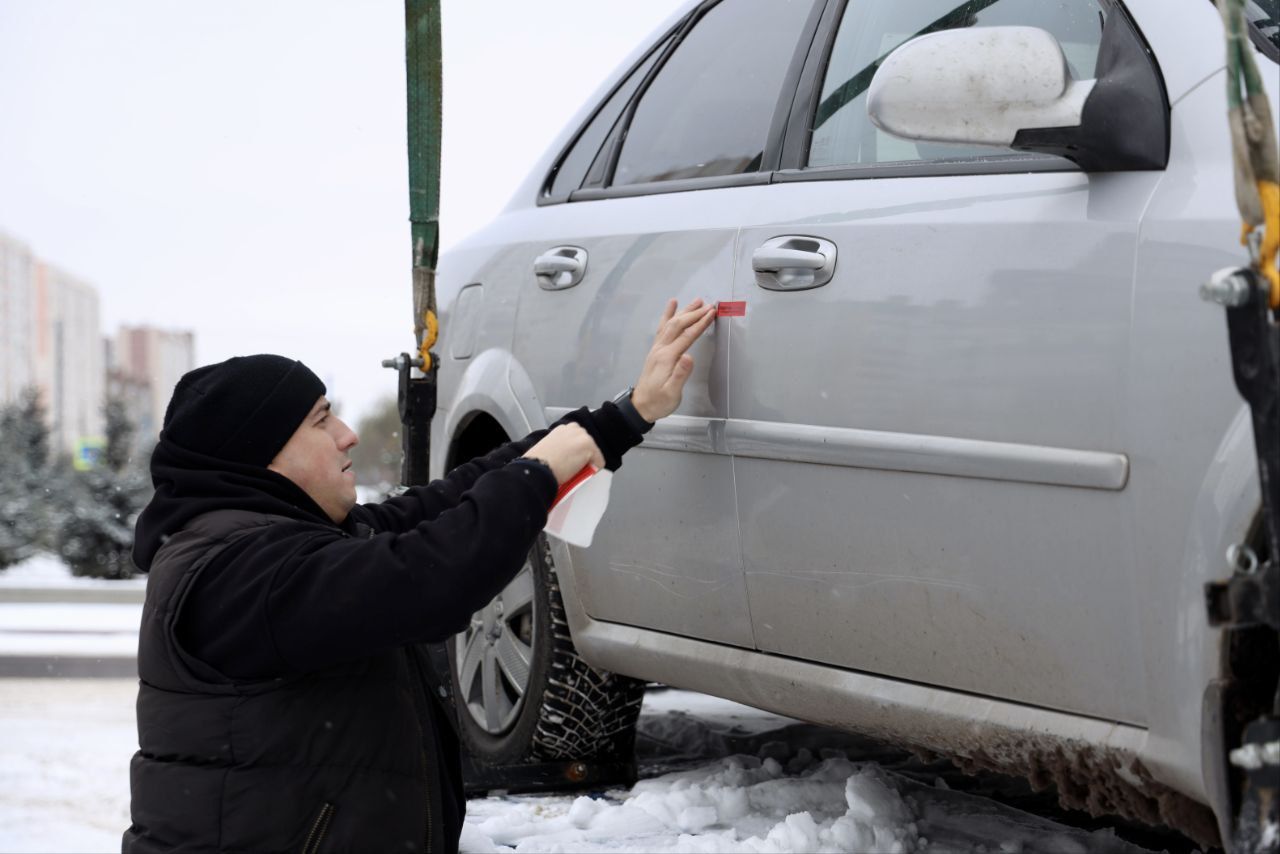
[731, 309]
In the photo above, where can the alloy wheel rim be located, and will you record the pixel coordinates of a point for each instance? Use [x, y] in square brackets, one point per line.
[494, 655]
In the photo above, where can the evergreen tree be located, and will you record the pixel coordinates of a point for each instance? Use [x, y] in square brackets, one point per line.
[32, 431]
[120, 433]
[95, 535]
[24, 467]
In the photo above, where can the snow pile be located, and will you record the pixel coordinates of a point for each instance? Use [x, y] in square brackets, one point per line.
[46, 570]
[741, 803]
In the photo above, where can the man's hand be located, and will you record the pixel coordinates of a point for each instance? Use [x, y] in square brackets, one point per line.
[567, 448]
[668, 365]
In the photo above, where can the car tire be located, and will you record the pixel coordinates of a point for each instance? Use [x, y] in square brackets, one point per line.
[568, 710]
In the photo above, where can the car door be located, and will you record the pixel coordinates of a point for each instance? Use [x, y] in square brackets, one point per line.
[642, 208]
[930, 457]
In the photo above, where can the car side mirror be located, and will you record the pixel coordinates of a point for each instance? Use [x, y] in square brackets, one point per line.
[1010, 86]
[978, 86]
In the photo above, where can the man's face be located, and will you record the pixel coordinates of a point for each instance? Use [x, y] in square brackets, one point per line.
[315, 458]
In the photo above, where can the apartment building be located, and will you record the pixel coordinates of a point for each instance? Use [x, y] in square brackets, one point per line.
[50, 338]
[17, 318]
[146, 363]
[69, 358]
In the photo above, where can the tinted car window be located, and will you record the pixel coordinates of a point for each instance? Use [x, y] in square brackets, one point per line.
[871, 29]
[1264, 15]
[574, 166]
[708, 110]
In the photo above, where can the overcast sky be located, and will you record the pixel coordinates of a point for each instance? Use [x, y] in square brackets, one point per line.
[239, 169]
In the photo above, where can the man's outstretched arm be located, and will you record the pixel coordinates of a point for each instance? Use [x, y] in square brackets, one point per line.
[657, 394]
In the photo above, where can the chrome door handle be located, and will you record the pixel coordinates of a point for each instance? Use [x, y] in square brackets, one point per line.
[794, 263]
[560, 268]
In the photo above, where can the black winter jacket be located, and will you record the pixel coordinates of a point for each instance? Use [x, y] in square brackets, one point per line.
[283, 702]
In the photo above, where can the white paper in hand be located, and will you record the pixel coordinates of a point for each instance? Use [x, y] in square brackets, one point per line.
[580, 506]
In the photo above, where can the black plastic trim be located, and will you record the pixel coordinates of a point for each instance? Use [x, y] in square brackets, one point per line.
[795, 145]
[1264, 44]
[1125, 121]
[680, 185]
[790, 84]
[1010, 164]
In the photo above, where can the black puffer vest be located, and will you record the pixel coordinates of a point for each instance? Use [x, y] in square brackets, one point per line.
[356, 757]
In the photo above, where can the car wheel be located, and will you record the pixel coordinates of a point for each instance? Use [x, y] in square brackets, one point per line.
[522, 692]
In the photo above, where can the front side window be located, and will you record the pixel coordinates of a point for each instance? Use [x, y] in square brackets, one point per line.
[871, 29]
[709, 108]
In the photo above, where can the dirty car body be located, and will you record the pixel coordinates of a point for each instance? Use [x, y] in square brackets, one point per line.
[959, 473]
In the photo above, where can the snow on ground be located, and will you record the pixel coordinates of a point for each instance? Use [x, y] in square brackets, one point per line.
[91, 629]
[740, 803]
[64, 763]
[741, 780]
[719, 776]
[46, 570]
[64, 787]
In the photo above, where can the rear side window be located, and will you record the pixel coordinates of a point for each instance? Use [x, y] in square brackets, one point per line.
[709, 108]
[871, 29]
[575, 164]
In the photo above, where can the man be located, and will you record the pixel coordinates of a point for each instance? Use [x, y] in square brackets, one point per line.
[281, 704]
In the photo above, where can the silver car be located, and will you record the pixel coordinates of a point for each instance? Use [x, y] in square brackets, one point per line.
[958, 459]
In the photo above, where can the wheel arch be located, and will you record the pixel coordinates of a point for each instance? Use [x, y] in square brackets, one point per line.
[491, 402]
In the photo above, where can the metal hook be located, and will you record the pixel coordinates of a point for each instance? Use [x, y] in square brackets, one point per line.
[1242, 559]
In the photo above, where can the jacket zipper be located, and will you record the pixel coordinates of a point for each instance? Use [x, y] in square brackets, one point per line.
[318, 828]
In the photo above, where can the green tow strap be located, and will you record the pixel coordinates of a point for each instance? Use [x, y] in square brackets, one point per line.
[422, 60]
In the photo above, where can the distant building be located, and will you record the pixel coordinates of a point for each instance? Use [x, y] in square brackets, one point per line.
[69, 362]
[146, 363]
[50, 338]
[133, 391]
[17, 318]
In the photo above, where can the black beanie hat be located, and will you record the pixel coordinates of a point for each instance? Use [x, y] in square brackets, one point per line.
[242, 410]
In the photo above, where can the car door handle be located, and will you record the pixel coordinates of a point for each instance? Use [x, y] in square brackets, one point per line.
[769, 260]
[560, 268]
[549, 265]
[794, 263]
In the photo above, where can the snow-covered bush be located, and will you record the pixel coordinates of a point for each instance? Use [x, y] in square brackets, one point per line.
[95, 534]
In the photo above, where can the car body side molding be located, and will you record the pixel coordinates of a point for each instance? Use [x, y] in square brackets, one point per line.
[877, 449]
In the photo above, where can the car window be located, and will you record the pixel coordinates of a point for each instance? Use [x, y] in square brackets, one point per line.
[573, 168]
[708, 110]
[1264, 16]
[871, 29]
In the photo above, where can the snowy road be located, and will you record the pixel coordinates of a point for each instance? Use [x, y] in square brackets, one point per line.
[719, 777]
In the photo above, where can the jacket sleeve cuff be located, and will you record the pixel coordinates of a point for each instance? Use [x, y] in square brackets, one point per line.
[610, 431]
